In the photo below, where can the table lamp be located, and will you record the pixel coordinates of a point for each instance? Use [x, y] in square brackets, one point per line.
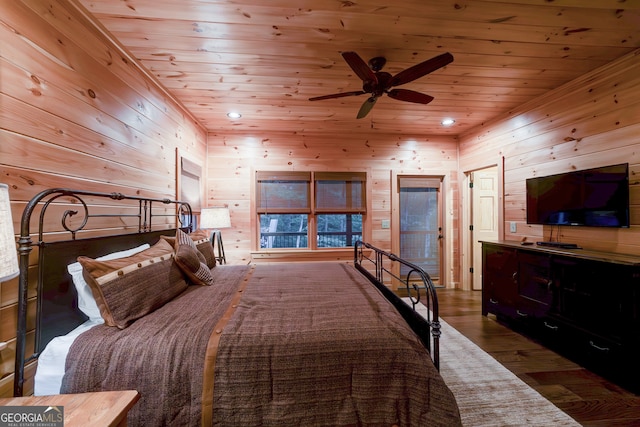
[216, 218]
[8, 253]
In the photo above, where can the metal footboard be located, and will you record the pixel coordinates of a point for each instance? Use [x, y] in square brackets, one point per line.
[376, 265]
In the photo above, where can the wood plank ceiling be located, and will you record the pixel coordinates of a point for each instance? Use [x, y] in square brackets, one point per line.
[265, 59]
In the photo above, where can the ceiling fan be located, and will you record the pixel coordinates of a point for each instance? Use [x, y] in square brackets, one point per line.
[377, 83]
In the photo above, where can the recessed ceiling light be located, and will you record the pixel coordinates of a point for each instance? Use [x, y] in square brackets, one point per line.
[234, 115]
[447, 122]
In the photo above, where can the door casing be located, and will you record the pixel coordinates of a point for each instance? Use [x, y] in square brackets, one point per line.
[472, 271]
[395, 221]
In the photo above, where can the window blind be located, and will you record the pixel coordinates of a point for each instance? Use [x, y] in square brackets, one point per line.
[419, 182]
[283, 192]
[340, 192]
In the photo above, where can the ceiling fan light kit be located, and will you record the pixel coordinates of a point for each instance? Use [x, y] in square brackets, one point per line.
[376, 82]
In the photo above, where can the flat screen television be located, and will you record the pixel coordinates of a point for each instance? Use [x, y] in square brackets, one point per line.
[597, 197]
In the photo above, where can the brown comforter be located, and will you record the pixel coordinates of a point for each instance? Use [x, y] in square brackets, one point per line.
[302, 344]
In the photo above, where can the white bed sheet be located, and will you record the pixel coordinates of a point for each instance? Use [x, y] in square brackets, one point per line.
[51, 362]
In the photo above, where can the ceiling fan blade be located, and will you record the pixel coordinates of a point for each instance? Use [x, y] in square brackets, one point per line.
[421, 69]
[337, 95]
[367, 106]
[410, 96]
[359, 67]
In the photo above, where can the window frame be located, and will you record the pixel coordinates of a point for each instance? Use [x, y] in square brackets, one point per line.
[312, 223]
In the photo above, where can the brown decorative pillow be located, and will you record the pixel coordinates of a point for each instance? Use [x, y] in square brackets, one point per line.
[188, 259]
[128, 288]
[203, 243]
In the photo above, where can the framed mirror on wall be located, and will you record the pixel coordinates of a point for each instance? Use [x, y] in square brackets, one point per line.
[190, 184]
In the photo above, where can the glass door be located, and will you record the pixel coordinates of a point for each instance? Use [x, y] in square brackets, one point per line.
[420, 223]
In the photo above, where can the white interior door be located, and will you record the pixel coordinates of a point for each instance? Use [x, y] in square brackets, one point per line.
[484, 197]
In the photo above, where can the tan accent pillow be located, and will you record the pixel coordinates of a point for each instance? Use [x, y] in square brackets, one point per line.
[188, 260]
[203, 243]
[128, 288]
[201, 238]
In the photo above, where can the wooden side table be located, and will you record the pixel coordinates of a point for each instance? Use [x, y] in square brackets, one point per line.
[104, 408]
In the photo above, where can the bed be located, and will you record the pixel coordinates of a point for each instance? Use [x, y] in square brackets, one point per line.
[309, 343]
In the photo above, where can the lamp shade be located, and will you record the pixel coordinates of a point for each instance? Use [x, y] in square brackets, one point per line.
[8, 254]
[215, 218]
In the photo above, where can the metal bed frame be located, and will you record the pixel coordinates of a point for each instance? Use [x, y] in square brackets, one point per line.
[370, 261]
[145, 215]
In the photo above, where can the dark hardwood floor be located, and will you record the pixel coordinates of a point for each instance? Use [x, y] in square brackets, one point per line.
[585, 396]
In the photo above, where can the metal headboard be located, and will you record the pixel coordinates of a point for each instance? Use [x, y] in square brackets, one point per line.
[417, 282]
[145, 215]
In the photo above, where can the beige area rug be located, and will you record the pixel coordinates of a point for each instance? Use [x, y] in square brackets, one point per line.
[488, 394]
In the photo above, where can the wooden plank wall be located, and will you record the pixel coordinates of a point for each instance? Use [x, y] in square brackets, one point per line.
[592, 121]
[233, 158]
[77, 112]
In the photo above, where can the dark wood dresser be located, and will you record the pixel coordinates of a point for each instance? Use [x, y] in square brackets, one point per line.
[583, 304]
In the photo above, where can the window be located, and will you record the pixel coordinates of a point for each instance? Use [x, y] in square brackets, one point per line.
[310, 210]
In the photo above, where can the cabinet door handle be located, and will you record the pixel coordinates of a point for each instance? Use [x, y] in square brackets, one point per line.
[604, 349]
[493, 301]
[552, 327]
[521, 313]
[514, 276]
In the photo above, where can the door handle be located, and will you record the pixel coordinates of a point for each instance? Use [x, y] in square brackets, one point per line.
[597, 347]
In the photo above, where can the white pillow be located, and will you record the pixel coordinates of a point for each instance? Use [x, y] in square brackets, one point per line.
[86, 302]
[51, 361]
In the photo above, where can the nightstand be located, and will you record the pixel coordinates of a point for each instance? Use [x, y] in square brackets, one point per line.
[105, 408]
